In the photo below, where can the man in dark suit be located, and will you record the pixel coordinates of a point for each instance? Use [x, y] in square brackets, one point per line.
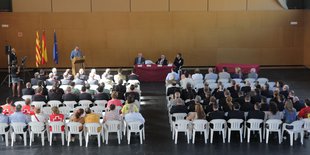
[39, 96]
[69, 96]
[174, 88]
[139, 60]
[132, 92]
[84, 95]
[101, 95]
[55, 94]
[133, 76]
[28, 90]
[236, 113]
[162, 60]
[121, 89]
[216, 114]
[256, 113]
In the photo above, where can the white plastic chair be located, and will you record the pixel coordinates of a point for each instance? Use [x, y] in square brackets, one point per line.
[235, 125]
[262, 81]
[22, 103]
[226, 85]
[182, 126]
[54, 103]
[70, 104]
[200, 126]
[74, 129]
[238, 80]
[113, 126]
[47, 110]
[38, 104]
[92, 129]
[24, 97]
[251, 80]
[79, 87]
[85, 103]
[255, 125]
[210, 81]
[37, 128]
[64, 87]
[306, 126]
[94, 87]
[212, 86]
[56, 129]
[101, 103]
[18, 128]
[223, 80]
[98, 110]
[177, 116]
[273, 125]
[297, 129]
[6, 134]
[65, 111]
[218, 125]
[135, 128]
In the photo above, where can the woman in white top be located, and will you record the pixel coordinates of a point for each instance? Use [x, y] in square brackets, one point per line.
[38, 116]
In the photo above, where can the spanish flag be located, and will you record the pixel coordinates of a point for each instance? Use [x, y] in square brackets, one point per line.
[38, 50]
[44, 52]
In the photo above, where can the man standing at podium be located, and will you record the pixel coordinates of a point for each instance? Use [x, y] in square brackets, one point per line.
[75, 53]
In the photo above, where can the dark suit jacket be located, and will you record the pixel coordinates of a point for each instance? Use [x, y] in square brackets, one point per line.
[246, 106]
[34, 81]
[216, 115]
[85, 96]
[172, 90]
[133, 77]
[185, 94]
[28, 91]
[70, 97]
[142, 61]
[165, 62]
[54, 96]
[135, 94]
[178, 109]
[246, 89]
[121, 89]
[102, 96]
[256, 114]
[235, 114]
[39, 97]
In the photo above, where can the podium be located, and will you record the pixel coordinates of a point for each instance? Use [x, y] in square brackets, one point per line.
[77, 63]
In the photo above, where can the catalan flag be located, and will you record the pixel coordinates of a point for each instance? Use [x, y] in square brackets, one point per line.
[38, 50]
[55, 50]
[44, 52]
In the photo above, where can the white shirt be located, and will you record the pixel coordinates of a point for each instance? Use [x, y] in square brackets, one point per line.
[41, 118]
[183, 82]
[134, 116]
[197, 77]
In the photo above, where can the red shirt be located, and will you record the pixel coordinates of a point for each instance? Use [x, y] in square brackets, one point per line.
[304, 113]
[116, 102]
[57, 118]
[8, 109]
[27, 110]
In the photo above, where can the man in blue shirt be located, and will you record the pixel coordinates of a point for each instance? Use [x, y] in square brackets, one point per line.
[75, 53]
[18, 116]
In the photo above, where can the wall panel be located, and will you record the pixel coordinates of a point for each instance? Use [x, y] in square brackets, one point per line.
[71, 5]
[307, 39]
[227, 5]
[188, 5]
[149, 5]
[110, 5]
[32, 5]
[264, 5]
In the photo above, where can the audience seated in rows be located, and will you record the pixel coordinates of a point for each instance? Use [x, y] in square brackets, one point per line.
[28, 90]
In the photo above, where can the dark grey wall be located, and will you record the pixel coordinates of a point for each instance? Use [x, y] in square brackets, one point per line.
[307, 4]
[296, 4]
[5, 5]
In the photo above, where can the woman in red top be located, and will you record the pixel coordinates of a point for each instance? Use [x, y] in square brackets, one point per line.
[57, 117]
[8, 108]
[305, 112]
[114, 100]
[27, 109]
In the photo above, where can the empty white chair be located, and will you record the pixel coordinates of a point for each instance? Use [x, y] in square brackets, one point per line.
[38, 104]
[70, 104]
[57, 129]
[101, 103]
[200, 126]
[251, 80]
[273, 125]
[210, 81]
[223, 80]
[110, 127]
[98, 110]
[134, 127]
[37, 128]
[85, 103]
[27, 96]
[235, 125]
[294, 131]
[3, 126]
[254, 125]
[306, 126]
[22, 103]
[238, 80]
[181, 126]
[262, 81]
[218, 125]
[93, 87]
[74, 129]
[92, 129]
[65, 111]
[47, 110]
[54, 103]
[176, 116]
[18, 128]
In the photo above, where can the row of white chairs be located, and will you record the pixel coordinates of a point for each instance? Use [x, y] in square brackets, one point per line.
[220, 125]
[72, 128]
[71, 104]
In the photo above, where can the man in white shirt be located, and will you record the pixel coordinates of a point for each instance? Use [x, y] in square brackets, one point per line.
[211, 75]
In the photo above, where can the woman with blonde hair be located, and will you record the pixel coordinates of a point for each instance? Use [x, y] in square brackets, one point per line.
[228, 106]
[197, 112]
[290, 114]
